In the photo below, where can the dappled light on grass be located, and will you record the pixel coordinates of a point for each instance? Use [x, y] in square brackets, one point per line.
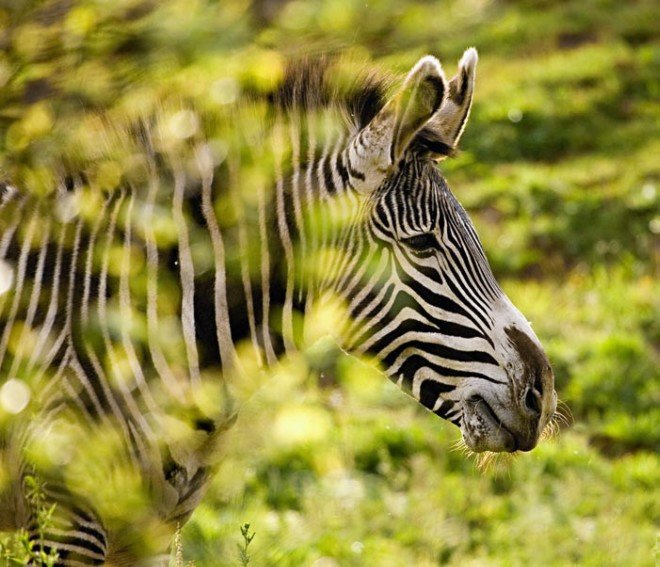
[327, 461]
[14, 396]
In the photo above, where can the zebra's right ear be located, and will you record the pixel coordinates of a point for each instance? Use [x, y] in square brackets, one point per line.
[440, 136]
[382, 142]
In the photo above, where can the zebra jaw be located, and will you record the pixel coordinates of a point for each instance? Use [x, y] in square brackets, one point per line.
[482, 428]
[512, 416]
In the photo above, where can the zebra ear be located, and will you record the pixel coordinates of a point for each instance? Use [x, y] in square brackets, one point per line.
[442, 133]
[382, 142]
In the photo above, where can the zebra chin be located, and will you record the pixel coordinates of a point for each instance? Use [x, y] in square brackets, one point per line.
[485, 429]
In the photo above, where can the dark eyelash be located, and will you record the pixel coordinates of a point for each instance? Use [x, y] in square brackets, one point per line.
[421, 242]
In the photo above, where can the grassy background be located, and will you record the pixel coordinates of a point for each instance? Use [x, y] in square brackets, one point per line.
[559, 170]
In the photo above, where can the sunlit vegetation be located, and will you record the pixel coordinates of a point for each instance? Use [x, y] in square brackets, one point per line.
[559, 170]
[18, 548]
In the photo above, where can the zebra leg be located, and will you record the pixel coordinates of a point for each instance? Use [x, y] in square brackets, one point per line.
[59, 526]
[79, 538]
[62, 523]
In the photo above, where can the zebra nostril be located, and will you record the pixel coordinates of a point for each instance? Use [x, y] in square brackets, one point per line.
[538, 383]
[532, 401]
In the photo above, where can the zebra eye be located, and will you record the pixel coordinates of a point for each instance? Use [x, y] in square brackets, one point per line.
[421, 242]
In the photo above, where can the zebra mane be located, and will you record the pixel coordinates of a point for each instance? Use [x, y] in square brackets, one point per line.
[307, 83]
[315, 82]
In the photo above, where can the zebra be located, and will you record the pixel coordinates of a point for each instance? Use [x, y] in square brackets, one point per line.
[126, 313]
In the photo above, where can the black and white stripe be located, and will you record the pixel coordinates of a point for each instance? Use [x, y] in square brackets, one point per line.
[132, 308]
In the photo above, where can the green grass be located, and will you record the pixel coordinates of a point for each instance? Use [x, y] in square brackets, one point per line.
[559, 170]
[18, 548]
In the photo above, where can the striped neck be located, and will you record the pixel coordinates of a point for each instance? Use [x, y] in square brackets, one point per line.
[282, 242]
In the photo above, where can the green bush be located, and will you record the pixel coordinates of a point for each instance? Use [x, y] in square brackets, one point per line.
[559, 170]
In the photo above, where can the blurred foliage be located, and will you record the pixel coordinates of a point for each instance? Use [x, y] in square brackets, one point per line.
[18, 548]
[559, 170]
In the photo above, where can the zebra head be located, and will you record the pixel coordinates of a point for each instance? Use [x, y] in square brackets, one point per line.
[426, 304]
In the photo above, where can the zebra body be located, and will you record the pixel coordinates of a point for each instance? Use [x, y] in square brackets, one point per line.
[127, 310]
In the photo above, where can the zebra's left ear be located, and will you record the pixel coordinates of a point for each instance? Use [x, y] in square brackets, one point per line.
[382, 143]
[442, 133]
